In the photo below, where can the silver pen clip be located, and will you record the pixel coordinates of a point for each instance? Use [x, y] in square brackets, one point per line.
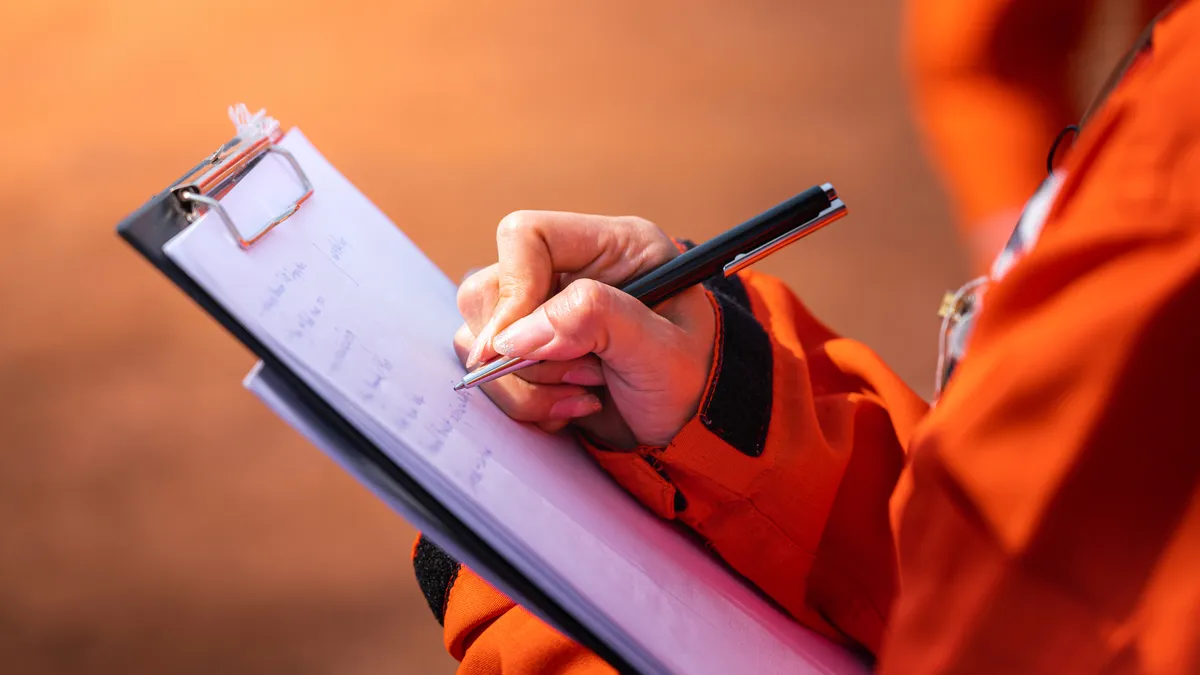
[835, 211]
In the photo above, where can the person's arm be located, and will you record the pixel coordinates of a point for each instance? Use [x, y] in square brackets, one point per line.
[486, 631]
[785, 469]
[1055, 511]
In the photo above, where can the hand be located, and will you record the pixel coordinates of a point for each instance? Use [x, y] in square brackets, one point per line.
[627, 374]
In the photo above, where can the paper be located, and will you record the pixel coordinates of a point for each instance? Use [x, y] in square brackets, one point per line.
[357, 310]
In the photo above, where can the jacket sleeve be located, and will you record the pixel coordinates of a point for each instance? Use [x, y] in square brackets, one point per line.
[788, 466]
[1053, 522]
[486, 631]
[785, 472]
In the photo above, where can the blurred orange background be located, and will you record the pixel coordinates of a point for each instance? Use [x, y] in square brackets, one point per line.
[154, 517]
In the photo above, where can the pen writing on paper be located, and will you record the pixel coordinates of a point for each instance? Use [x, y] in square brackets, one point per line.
[305, 314]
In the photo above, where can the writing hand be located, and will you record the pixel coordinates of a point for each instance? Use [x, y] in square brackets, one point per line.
[627, 374]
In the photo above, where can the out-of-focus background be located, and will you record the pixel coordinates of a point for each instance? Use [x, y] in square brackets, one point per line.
[154, 517]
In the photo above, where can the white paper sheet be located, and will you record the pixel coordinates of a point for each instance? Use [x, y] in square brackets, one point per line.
[366, 319]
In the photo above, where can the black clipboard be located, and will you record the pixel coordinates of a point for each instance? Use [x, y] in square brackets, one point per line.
[149, 228]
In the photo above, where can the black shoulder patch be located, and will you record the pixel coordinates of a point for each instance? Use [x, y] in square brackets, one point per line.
[738, 409]
[436, 574]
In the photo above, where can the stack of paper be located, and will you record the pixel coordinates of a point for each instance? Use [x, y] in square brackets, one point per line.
[366, 320]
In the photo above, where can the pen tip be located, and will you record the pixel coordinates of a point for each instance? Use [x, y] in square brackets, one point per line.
[460, 386]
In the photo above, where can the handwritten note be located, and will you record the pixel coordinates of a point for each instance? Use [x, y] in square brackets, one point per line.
[357, 310]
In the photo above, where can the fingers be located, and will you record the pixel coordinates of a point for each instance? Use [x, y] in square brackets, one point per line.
[591, 317]
[479, 290]
[535, 245]
[528, 402]
[477, 296]
[608, 424]
[654, 368]
[464, 337]
[585, 371]
[549, 394]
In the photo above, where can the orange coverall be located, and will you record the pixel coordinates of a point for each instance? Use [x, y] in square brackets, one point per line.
[992, 84]
[1042, 517]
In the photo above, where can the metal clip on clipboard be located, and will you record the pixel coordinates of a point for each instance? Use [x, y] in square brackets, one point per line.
[201, 189]
[152, 226]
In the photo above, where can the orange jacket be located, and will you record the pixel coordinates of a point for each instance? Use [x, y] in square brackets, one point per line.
[992, 84]
[1043, 517]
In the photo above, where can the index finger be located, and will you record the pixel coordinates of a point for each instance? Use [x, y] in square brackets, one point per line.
[535, 246]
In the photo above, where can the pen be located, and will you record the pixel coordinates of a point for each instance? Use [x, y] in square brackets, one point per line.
[725, 254]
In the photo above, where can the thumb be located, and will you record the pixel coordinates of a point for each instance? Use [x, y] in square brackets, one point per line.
[589, 317]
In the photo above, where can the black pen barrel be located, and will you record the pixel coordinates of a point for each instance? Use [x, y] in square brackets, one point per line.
[709, 259]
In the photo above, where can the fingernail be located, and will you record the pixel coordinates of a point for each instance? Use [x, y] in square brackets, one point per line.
[525, 335]
[575, 406]
[584, 375]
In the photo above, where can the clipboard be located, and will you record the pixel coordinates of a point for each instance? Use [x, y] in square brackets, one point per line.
[197, 192]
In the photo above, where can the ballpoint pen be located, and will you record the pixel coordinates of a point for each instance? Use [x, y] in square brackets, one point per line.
[725, 254]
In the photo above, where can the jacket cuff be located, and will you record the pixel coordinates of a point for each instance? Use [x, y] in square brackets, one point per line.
[736, 406]
[436, 573]
[734, 411]
[641, 473]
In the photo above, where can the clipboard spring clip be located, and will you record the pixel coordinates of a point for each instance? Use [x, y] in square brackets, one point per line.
[201, 189]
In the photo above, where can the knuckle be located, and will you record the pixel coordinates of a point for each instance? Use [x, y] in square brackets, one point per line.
[641, 225]
[651, 245]
[660, 252]
[580, 316]
[513, 289]
[463, 337]
[462, 350]
[468, 290]
[656, 243]
[646, 231]
[586, 297]
[476, 287]
[470, 273]
[517, 223]
[473, 284]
